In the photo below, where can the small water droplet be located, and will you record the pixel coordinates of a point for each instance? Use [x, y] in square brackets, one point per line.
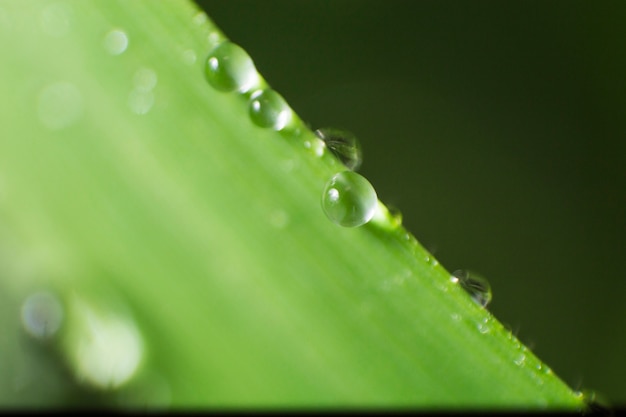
[115, 41]
[200, 18]
[42, 315]
[140, 102]
[475, 285]
[456, 317]
[519, 360]
[229, 68]
[483, 328]
[269, 109]
[349, 199]
[214, 39]
[189, 56]
[396, 215]
[55, 20]
[343, 144]
[316, 146]
[145, 79]
[60, 105]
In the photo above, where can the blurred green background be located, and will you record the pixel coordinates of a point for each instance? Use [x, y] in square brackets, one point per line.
[497, 128]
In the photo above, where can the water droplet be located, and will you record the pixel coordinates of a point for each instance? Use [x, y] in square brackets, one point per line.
[519, 360]
[55, 20]
[475, 285]
[349, 199]
[60, 105]
[269, 109]
[104, 346]
[189, 56]
[140, 102]
[456, 317]
[200, 18]
[214, 39]
[483, 327]
[230, 68]
[115, 42]
[343, 144]
[42, 315]
[316, 146]
[145, 79]
[396, 215]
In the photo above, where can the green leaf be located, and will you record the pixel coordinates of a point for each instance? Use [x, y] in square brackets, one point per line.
[189, 249]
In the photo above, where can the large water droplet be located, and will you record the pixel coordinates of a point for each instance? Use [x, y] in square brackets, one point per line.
[104, 346]
[475, 285]
[60, 105]
[115, 42]
[343, 144]
[349, 199]
[230, 68]
[42, 315]
[269, 109]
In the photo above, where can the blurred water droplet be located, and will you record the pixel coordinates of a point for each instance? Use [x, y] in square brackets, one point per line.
[42, 315]
[483, 328]
[519, 360]
[55, 19]
[115, 42]
[475, 285]
[145, 79]
[316, 146]
[200, 18]
[396, 215]
[343, 144]
[229, 68]
[214, 39]
[189, 56]
[104, 346]
[60, 105]
[140, 102]
[269, 109]
[349, 199]
[455, 317]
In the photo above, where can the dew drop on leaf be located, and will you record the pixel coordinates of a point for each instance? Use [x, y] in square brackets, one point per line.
[475, 285]
[269, 109]
[229, 68]
[343, 144]
[349, 199]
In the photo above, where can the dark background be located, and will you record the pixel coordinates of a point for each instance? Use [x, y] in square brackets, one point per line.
[497, 128]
